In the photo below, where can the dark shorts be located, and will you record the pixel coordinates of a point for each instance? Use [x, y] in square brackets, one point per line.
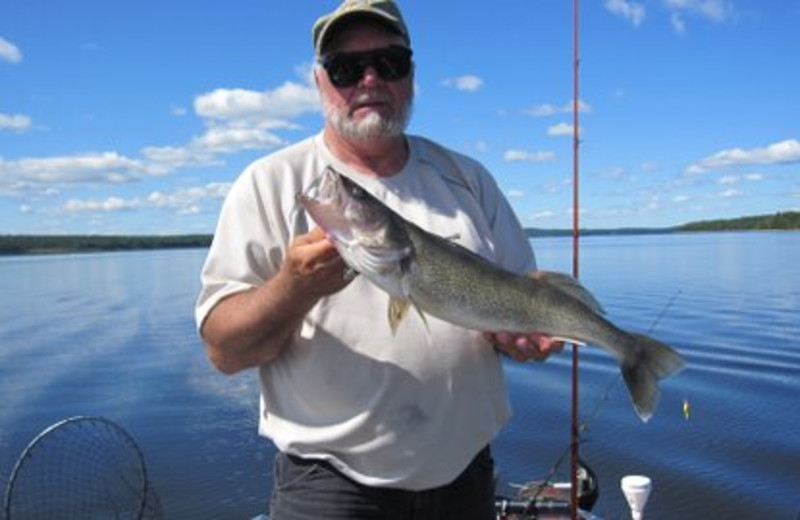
[313, 490]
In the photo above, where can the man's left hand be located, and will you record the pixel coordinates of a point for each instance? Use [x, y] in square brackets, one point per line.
[524, 347]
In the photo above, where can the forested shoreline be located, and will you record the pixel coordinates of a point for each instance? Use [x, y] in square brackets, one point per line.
[59, 244]
[784, 220]
[55, 244]
[781, 221]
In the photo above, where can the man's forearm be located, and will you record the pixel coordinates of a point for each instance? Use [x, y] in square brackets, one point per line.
[252, 328]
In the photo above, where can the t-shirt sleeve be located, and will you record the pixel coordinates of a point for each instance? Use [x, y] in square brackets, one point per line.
[246, 249]
[512, 248]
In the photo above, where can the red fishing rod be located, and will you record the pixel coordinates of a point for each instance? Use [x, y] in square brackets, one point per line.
[575, 422]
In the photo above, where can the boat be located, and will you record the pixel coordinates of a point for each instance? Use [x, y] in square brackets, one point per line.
[543, 499]
[550, 500]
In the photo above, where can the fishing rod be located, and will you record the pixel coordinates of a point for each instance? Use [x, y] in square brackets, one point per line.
[574, 426]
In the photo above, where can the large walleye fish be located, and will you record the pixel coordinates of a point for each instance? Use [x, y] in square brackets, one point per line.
[446, 280]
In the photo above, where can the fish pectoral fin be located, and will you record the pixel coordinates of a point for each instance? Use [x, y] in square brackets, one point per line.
[571, 286]
[422, 316]
[397, 311]
[398, 308]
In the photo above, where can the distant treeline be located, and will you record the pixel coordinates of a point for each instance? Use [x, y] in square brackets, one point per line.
[787, 220]
[540, 232]
[782, 221]
[44, 244]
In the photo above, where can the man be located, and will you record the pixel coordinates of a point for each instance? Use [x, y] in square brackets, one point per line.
[368, 424]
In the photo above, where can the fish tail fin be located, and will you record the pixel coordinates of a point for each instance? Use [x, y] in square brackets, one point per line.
[650, 362]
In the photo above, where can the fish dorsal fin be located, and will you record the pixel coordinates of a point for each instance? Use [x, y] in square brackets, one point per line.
[398, 309]
[571, 286]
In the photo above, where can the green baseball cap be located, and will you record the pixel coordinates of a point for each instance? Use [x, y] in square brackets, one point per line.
[384, 12]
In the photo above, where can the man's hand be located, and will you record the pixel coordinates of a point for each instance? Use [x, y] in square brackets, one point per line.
[314, 266]
[251, 328]
[524, 347]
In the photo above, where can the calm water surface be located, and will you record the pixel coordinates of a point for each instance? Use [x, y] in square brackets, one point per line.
[113, 335]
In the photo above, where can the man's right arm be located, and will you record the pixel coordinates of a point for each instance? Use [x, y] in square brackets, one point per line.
[252, 328]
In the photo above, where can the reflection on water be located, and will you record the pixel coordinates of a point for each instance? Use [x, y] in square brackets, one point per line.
[113, 335]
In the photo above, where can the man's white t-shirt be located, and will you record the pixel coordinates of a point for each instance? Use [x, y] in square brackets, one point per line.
[408, 410]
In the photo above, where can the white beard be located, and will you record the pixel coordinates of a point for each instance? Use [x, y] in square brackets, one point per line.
[374, 125]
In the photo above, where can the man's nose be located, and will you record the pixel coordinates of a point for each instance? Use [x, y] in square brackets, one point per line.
[370, 77]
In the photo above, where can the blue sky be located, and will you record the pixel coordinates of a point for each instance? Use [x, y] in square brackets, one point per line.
[135, 116]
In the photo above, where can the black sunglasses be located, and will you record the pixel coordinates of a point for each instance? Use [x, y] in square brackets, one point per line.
[345, 69]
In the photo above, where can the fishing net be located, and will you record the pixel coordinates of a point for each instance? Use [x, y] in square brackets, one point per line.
[82, 467]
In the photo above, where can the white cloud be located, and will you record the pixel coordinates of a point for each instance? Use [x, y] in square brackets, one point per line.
[561, 129]
[188, 201]
[653, 205]
[630, 11]
[515, 194]
[14, 122]
[547, 109]
[228, 139]
[715, 11]
[236, 120]
[738, 179]
[240, 119]
[111, 204]
[583, 107]
[543, 215]
[523, 155]
[217, 139]
[9, 51]
[468, 83]
[730, 194]
[277, 106]
[555, 187]
[678, 23]
[782, 152]
[166, 159]
[543, 110]
[86, 168]
[204, 149]
[182, 201]
[649, 166]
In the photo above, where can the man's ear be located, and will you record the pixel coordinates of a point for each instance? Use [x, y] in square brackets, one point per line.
[316, 71]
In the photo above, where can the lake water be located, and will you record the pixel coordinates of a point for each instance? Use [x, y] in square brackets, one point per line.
[112, 334]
